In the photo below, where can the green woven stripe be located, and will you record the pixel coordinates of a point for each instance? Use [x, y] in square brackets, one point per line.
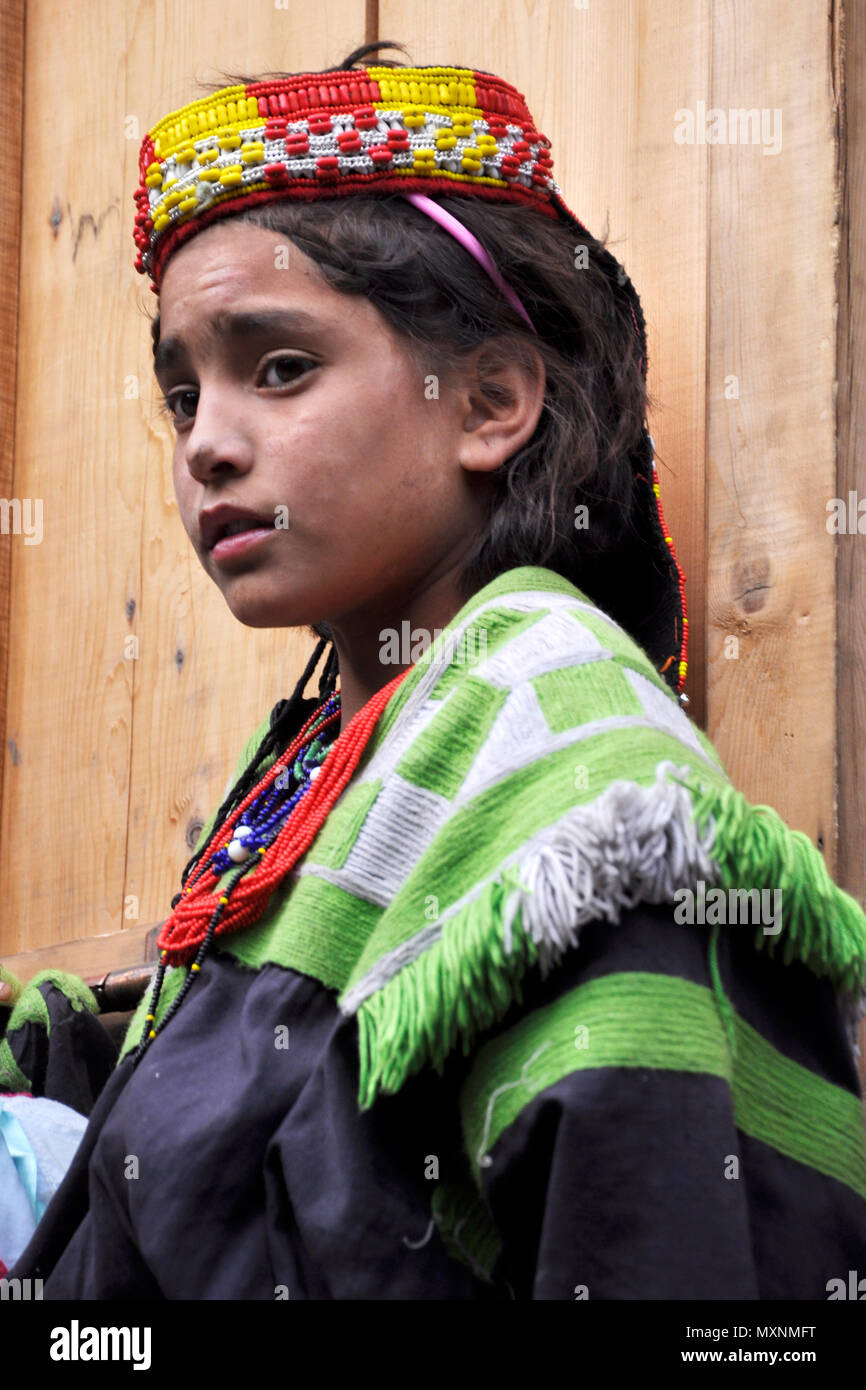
[342, 825]
[170, 986]
[74, 988]
[711, 752]
[441, 756]
[753, 848]
[665, 1023]
[798, 1113]
[627, 651]
[466, 1226]
[481, 640]
[630, 1020]
[319, 931]
[519, 580]
[12, 1077]
[30, 1007]
[524, 578]
[467, 849]
[573, 694]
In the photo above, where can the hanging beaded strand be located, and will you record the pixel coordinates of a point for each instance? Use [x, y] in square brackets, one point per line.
[151, 1028]
[185, 929]
[269, 809]
[193, 925]
[280, 722]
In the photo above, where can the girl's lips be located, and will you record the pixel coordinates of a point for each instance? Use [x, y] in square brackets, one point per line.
[244, 540]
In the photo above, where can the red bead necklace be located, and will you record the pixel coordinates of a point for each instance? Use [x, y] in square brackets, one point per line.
[201, 913]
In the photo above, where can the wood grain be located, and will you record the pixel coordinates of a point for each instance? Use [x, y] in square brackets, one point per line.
[771, 413]
[90, 957]
[113, 760]
[849, 101]
[11, 137]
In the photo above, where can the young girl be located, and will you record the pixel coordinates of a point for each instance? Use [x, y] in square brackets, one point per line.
[483, 981]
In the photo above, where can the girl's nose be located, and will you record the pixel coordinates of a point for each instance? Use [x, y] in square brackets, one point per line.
[217, 439]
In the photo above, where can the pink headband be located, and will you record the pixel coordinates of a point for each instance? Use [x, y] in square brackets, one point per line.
[462, 234]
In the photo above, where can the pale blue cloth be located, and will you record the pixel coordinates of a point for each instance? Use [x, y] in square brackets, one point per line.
[38, 1140]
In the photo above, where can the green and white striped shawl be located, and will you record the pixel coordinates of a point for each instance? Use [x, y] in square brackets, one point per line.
[532, 772]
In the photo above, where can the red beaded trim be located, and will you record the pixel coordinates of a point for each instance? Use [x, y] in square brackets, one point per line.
[183, 933]
[297, 93]
[302, 191]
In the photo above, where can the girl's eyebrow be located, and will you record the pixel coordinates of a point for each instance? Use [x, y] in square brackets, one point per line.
[247, 324]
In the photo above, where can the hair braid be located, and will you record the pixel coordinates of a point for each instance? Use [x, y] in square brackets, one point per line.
[276, 739]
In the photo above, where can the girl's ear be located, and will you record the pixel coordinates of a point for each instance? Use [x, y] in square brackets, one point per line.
[501, 394]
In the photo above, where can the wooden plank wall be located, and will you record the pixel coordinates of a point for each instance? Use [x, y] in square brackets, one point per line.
[733, 241]
[849, 86]
[771, 437]
[848, 75]
[11, 138]
[116, 750]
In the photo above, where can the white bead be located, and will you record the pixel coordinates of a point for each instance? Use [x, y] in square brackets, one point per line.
[242, 831]
[238, 852]
[313, 773]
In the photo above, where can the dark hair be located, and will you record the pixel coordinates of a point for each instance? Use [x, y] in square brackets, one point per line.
[595, 400]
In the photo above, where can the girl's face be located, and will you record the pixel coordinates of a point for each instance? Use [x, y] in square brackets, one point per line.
[301, 405]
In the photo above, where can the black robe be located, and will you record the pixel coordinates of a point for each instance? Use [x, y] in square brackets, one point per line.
[224, 1167]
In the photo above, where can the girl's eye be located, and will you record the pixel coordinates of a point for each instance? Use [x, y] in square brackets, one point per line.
[288, 362]
[167, 405]
[280, 366]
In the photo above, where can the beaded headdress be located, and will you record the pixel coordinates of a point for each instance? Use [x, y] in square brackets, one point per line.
[418, 132]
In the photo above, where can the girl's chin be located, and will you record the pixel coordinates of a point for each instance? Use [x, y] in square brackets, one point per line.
[265, 615]
[252, 606]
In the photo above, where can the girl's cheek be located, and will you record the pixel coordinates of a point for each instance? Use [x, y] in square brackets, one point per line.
[185, 505]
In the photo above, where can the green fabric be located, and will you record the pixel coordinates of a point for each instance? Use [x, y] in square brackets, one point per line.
[30, 1006]
[12, 1077]
[579, 691]
[8, 977]
[340, 830]
[620, 644]
[630, 1019]
[797, 1112]
[500, 625]
[532, 771]
[462, 725]
[466, 1227]
[296, 938]
[662, 1022]
[172, 982]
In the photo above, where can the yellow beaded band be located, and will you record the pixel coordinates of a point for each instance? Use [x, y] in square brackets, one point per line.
[323, 134]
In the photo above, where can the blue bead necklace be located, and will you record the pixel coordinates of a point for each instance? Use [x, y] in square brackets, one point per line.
[265, 816]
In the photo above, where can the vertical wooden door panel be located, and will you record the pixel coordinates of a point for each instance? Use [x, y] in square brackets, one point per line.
[118, 749]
